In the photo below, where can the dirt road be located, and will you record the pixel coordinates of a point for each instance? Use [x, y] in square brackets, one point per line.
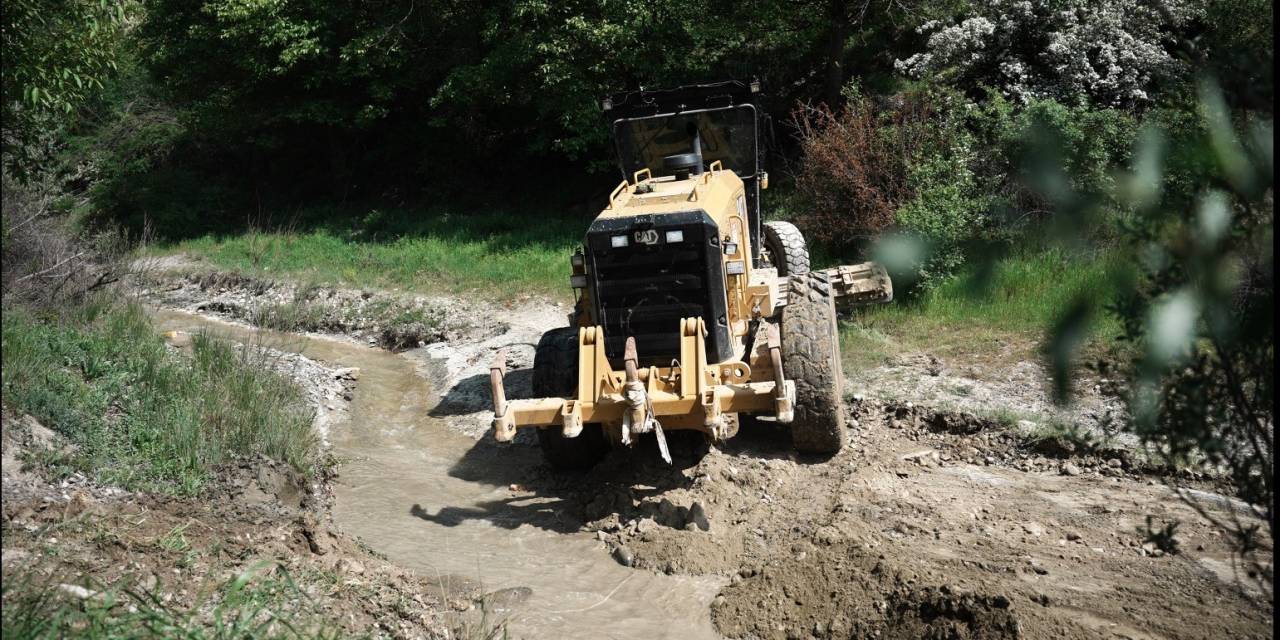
[931, 524]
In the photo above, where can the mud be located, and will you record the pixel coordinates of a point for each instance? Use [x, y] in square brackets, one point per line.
[1000, 384]
[898, 536]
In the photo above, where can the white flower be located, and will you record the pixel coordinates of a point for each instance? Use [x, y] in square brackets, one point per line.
[1109, 51]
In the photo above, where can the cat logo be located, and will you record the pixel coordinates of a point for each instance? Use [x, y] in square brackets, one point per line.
[648, 236]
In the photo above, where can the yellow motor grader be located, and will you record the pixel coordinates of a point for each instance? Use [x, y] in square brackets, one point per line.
[690, 310]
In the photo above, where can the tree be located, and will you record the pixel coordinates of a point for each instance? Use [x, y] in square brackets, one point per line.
[1109, 52]
[58, 54]
[1201, 309]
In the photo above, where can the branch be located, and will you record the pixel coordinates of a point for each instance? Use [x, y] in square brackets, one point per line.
[40, 273]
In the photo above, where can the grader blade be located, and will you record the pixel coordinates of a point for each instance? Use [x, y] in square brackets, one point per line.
[854, 285]
[860, 284]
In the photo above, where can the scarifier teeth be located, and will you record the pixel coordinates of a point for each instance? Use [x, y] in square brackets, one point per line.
[772, 340]
[630, 352]
[499, 361]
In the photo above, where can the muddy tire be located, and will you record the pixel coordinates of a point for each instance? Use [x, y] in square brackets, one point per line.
[786, 247]
[811, 357]
[555, 374]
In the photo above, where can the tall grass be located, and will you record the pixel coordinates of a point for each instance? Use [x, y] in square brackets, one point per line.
[502, 254]
[1016, 301]
[139, 415]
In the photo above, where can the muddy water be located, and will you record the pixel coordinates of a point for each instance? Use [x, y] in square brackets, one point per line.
[432, 500]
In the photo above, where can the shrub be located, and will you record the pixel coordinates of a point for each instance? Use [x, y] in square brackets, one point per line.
[1108, 52]
[1086, 141]
[46, 262]
[852, 176]
[1200, 309]
[946, 209]
[904, 163]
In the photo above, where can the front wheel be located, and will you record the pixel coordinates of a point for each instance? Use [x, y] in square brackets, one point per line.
[811, 357]
[555, 374]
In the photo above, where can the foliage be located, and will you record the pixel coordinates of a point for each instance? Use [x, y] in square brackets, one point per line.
[47, 263]
[1234, 41]
[852, 176]
[1109, 52]
[1202, 308]
[903, 163]
[58, 54]
[556, 60]
[1088, 143]
[143, 417]
[370, 99]
[948, 207]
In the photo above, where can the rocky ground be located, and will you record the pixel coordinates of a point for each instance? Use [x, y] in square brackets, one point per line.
[943, 527]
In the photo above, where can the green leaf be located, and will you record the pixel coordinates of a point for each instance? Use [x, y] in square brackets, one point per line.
[1066, 337]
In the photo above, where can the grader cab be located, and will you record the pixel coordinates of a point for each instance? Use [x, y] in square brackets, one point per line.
[691, 311]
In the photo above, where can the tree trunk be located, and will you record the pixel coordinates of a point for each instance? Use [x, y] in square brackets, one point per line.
[838, 18]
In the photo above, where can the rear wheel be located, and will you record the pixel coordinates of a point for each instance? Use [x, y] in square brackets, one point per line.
[811, 357]
[555, 374]
[786, 248]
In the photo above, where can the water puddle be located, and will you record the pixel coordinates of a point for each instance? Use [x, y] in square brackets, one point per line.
[432, 501]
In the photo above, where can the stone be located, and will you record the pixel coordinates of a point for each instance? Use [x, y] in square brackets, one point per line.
[1069, 469]
[645, 525]
[698, 517]
[624, 556]
[347, 565]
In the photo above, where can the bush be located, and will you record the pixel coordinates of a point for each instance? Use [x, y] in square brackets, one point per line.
[1108, 52]
[946, 211]
[904, 163]
[1091, 141]
[852, 176]
[46, 262]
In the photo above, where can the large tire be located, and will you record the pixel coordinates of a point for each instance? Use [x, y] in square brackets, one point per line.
[786, 247]
[555, 374]
[811, 357]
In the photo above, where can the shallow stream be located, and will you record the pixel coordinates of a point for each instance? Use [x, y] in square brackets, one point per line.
[433, 501]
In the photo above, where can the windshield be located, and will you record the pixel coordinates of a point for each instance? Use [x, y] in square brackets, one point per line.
[728, 135]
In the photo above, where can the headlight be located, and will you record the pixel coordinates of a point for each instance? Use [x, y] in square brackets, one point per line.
[734, 267]
[731, 248]
[618, 241]
[675, 235]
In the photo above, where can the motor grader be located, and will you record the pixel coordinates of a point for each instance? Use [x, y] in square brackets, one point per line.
[691, 312]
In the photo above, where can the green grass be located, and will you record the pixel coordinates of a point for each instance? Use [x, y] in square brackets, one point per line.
[140, 416]
[504, 255]
[247, 606]
[989, 319]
